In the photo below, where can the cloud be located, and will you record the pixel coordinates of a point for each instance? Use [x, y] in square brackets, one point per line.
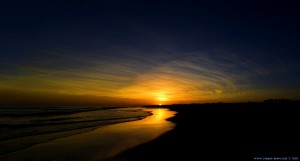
[135, 74]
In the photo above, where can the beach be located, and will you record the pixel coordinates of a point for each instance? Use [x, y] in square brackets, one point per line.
[219, 131]
[246, 131]
[99, 143]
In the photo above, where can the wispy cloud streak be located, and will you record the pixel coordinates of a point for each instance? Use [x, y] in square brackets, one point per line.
[133, 74]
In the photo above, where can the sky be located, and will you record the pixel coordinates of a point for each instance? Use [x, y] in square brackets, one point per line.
[63, 52]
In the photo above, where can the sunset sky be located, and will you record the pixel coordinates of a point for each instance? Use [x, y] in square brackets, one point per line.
[64, 52]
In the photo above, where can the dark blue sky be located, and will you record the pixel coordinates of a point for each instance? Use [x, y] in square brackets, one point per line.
[211, 50]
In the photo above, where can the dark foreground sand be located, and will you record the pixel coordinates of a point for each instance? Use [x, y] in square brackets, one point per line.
[253, 131]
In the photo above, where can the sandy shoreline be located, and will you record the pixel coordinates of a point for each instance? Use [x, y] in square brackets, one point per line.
[225, 132]
[252, 131]
[25, 134]
[100, 143]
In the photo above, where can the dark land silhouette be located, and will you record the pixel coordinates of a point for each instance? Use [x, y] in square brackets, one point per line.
[226, 131]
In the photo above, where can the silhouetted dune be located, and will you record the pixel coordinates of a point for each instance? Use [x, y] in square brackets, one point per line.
[240, 131]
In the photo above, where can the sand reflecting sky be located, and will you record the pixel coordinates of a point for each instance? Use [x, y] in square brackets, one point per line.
[100, 143]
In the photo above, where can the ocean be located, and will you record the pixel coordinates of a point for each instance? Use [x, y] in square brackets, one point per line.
[21, 127]
[77, 133]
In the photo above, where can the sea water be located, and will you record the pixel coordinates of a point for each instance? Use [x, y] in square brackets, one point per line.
[86, 141]
[21, 127]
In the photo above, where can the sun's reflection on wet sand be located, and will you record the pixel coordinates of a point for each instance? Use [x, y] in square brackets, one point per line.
[101, 143]
[159, 116]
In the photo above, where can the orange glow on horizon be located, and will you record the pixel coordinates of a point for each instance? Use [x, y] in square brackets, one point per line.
[146, 88]
[162, 97]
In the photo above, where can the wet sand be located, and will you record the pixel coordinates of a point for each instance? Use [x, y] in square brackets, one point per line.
[252, 131]
[101, 143]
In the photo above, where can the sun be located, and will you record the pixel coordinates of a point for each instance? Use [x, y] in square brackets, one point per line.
[162, 98]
